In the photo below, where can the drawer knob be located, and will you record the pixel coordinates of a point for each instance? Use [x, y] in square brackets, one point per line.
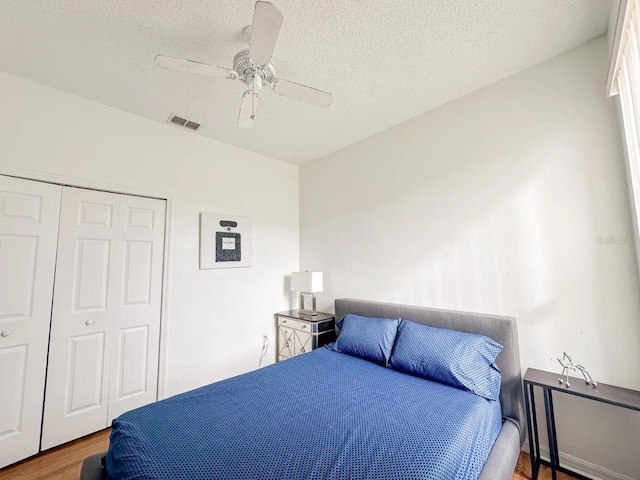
[88, 322]
[6, 333]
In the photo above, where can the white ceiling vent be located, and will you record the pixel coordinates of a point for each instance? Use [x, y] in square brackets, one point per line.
[183, 122]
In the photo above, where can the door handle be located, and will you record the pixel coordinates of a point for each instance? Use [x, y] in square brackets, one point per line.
[5, 333]
[88, 322]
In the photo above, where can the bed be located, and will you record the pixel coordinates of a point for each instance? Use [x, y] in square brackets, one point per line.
[326, 414]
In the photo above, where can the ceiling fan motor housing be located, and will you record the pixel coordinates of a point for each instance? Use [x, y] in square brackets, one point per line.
[244, 67]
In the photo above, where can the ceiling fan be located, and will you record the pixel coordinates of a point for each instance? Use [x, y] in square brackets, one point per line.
[253, 66]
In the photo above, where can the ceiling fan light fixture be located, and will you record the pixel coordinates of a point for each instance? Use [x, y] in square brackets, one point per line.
[254, 82]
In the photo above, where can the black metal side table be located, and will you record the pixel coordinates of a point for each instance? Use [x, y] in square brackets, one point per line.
[620, 397]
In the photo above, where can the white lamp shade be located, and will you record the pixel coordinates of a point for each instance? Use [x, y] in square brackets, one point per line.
[308, 282]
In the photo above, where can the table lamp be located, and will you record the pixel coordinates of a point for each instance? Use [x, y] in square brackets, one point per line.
[307, 283]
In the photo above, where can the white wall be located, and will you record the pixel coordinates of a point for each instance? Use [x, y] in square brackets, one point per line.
[496, 203]
[215, 317]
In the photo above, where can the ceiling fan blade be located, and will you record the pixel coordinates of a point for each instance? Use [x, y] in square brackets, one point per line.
[190, 66]
[248, 109]
[267, 20]
[301, 92]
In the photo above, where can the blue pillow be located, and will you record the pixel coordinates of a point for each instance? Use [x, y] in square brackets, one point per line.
[367, 337]
[462, 360]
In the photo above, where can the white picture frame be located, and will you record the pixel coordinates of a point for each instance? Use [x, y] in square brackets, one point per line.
[225, 241]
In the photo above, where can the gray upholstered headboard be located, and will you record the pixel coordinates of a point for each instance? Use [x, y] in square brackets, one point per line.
[501, 329]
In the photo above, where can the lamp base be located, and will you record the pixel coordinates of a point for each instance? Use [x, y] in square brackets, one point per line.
[308, 304]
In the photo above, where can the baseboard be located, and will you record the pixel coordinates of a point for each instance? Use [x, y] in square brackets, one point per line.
[578, 465]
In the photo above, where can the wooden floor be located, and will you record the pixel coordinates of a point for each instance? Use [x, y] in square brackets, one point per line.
[523, 470]
[60, 463]
[63, 463]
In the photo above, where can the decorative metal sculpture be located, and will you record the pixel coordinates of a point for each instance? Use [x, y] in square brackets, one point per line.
[567, 365]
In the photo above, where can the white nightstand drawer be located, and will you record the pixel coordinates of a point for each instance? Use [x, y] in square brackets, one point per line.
[295, 324]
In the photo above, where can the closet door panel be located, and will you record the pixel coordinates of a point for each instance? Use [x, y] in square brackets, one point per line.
[29, 214]
[13, 370]
[77, 393]
[136, 334]
[85, 372]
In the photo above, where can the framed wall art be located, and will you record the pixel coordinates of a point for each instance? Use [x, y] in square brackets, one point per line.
[225, 241]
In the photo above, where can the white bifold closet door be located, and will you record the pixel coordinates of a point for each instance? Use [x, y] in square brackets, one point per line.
[103, 354]
[28, 234]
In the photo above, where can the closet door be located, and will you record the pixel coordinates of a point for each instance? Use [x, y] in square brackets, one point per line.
[105, 330]
[77, 392]
[136, 311]
[28, 234]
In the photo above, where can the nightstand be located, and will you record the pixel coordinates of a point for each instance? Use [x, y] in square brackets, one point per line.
[299, 333]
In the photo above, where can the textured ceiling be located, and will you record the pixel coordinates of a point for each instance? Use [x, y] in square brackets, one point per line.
[385, 61]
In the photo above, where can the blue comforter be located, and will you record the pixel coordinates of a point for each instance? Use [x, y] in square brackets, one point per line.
[321, 415]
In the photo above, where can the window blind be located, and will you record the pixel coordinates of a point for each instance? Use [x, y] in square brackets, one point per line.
[626, 82]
